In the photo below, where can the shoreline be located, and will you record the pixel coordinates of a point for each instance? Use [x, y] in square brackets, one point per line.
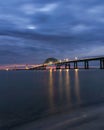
[78, 120]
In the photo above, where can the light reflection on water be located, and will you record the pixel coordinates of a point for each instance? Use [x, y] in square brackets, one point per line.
[34, 94]
[60, 86]
[67, 87]
[64, 89]
[77, 86]
[51, 91]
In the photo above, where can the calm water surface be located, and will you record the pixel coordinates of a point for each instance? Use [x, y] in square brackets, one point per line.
[33, 95]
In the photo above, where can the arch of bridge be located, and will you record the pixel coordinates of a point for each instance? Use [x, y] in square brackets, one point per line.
[51, 60]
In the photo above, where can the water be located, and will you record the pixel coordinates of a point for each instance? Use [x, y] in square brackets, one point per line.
[34, 95]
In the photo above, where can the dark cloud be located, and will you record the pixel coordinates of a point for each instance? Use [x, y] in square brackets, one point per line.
[31, 31]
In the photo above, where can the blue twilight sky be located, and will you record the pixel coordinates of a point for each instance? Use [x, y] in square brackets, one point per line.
[33, 30]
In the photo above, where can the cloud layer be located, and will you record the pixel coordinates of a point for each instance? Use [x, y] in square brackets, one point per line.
[31, 31]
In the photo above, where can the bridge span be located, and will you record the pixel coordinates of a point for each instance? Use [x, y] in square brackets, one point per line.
[66, 64]
[69, 64]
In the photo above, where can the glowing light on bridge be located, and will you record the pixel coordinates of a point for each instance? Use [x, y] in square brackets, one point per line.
[67, 59]
[50, 63]
[7, 69]
[76, 58]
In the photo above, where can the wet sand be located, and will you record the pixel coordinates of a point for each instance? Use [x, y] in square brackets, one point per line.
[83, 119]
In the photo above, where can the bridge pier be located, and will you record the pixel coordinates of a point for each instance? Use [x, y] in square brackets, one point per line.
[58, 67]
[101, 63]
[69, 65]
[75, 65]
[43, 67]
[86, 64]
[66, 66]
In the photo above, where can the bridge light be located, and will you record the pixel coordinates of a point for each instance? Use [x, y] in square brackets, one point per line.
[50, 69]
[27, 68]
[50, 63]
[7, 69]
[76, 58]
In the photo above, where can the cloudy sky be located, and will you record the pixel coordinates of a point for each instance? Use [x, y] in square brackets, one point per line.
[33, 30]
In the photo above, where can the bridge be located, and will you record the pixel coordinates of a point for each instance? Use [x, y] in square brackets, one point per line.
[68, 64]
[58, 64]
[17, 67]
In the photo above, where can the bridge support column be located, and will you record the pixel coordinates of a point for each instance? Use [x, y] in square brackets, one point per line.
[86, 64]
[44, 67]
[58, 67]
[66, 66]
[69, 65]
[101, 63]
[75, 65]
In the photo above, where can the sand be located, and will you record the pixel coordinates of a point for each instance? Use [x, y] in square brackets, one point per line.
[91, 118]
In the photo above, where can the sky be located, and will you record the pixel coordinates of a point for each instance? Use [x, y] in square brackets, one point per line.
[34, 30]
